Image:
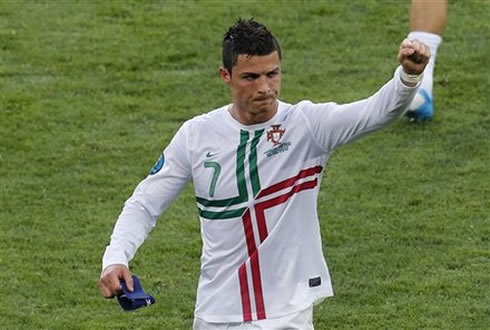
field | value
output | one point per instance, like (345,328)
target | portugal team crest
(275,134)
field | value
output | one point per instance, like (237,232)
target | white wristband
(411,78)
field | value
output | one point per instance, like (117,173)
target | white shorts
(302,320)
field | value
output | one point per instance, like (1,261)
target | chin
(263,109)
(268,105)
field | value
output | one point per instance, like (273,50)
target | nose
(263,85)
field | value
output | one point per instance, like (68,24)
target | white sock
(433,41)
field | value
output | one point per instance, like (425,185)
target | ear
(225,75)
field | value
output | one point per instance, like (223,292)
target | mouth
(262,99)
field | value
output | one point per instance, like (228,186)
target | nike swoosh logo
(209,154)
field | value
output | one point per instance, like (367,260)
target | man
(427,23)
(256,165)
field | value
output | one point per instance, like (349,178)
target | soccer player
(427,22)
(256,165)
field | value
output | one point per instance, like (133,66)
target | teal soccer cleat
(422,107)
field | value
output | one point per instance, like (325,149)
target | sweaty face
(255,82)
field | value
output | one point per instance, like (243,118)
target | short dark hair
(247,37)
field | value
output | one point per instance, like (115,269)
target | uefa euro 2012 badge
(158,165)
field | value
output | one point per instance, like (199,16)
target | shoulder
(306,107)
(205,120)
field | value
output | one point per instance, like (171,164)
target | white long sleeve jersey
(256,190)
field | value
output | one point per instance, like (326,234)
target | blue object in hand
(131,300)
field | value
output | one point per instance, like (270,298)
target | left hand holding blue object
(131,300)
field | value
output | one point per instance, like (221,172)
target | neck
(245,117)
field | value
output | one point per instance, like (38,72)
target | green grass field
(92,91)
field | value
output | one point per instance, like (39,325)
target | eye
(272,74)
(250,77)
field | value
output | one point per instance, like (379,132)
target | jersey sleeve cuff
(399,84)
(112,257)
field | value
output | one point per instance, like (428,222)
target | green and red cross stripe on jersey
(240,180)
(259,207)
